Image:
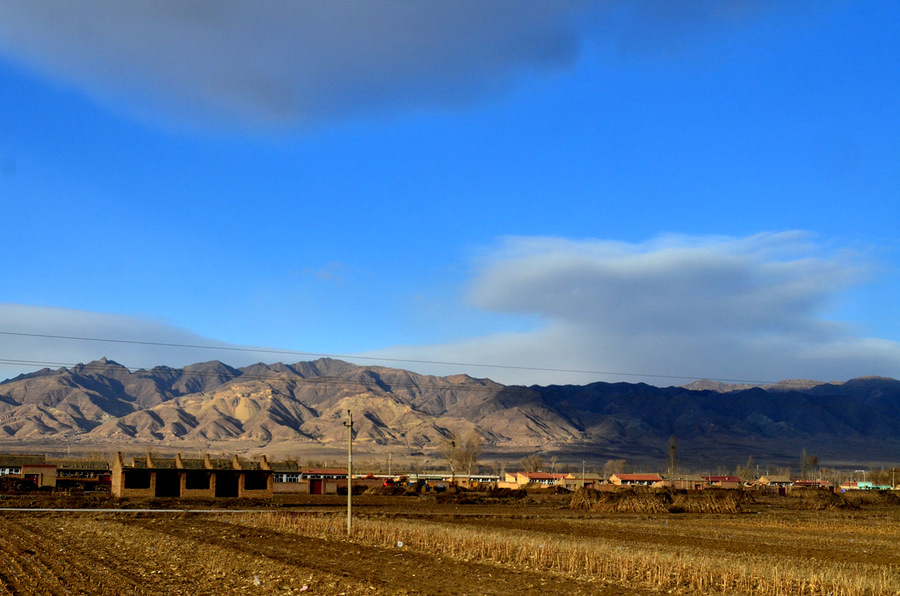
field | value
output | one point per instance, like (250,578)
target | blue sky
(635,190)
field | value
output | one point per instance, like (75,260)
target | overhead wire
(367,358)
(379,382)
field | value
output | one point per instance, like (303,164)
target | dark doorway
(197,480)
(316,487)
(168,483)
(256,480)
(227,484)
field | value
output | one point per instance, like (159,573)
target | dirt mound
(507,493)
(389,491)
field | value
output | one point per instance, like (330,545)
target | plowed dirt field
(193,553)
(261,552)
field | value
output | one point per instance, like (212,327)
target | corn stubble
(742,568)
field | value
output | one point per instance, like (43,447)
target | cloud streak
(753,308)
(36,336)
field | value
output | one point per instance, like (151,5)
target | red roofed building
(723,481)
(812,484)
(635,479)
(520,479)
(542,478)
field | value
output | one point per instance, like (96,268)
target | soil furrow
(421,573)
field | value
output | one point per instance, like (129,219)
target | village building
(290,477)
(635,479)
(192,478)
(824,484)
(523,479)
(475,481)
(87,475)
(682,482)
(573,482)
(861,485)
(30,468)
(775,481)
(723,481)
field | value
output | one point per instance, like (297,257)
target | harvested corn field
(412,545)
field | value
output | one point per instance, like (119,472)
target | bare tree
(613,466)
(747,471)
(450,453)
(469,452)
(672,455)
(808,464)
(532,463)
(813,462)
(461,454)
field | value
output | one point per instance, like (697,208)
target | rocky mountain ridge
(104,401)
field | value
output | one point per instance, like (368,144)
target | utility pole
(389,464)
(349,425)
(582,473)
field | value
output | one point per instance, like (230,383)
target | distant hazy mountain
(105,402)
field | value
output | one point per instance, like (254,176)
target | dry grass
(812,499)
(875,498)
(652,563)
(652,501)
(819,500)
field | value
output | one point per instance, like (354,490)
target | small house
(635,479)
(31,468)
(723,481)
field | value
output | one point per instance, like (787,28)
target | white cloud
(664,311)
(750,308)
(267,63)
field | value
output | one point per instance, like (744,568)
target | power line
(473,385)
(376,384)
(376,358)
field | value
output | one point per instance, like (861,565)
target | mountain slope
(307,402)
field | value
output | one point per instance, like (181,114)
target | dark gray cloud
(231,63)
(267,63)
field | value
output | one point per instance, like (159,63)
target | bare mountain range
(104,402)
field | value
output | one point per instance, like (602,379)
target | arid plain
(460,544)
